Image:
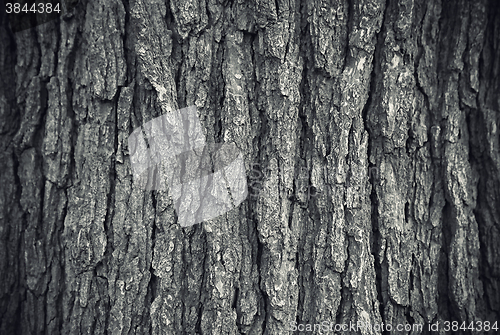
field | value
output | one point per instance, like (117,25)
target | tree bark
(370,133)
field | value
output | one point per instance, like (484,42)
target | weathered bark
(374,126)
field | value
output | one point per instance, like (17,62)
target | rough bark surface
(375,126)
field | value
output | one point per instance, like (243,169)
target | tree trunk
(370,135)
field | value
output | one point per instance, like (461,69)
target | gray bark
(374,126)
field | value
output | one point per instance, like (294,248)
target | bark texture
(375,126)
